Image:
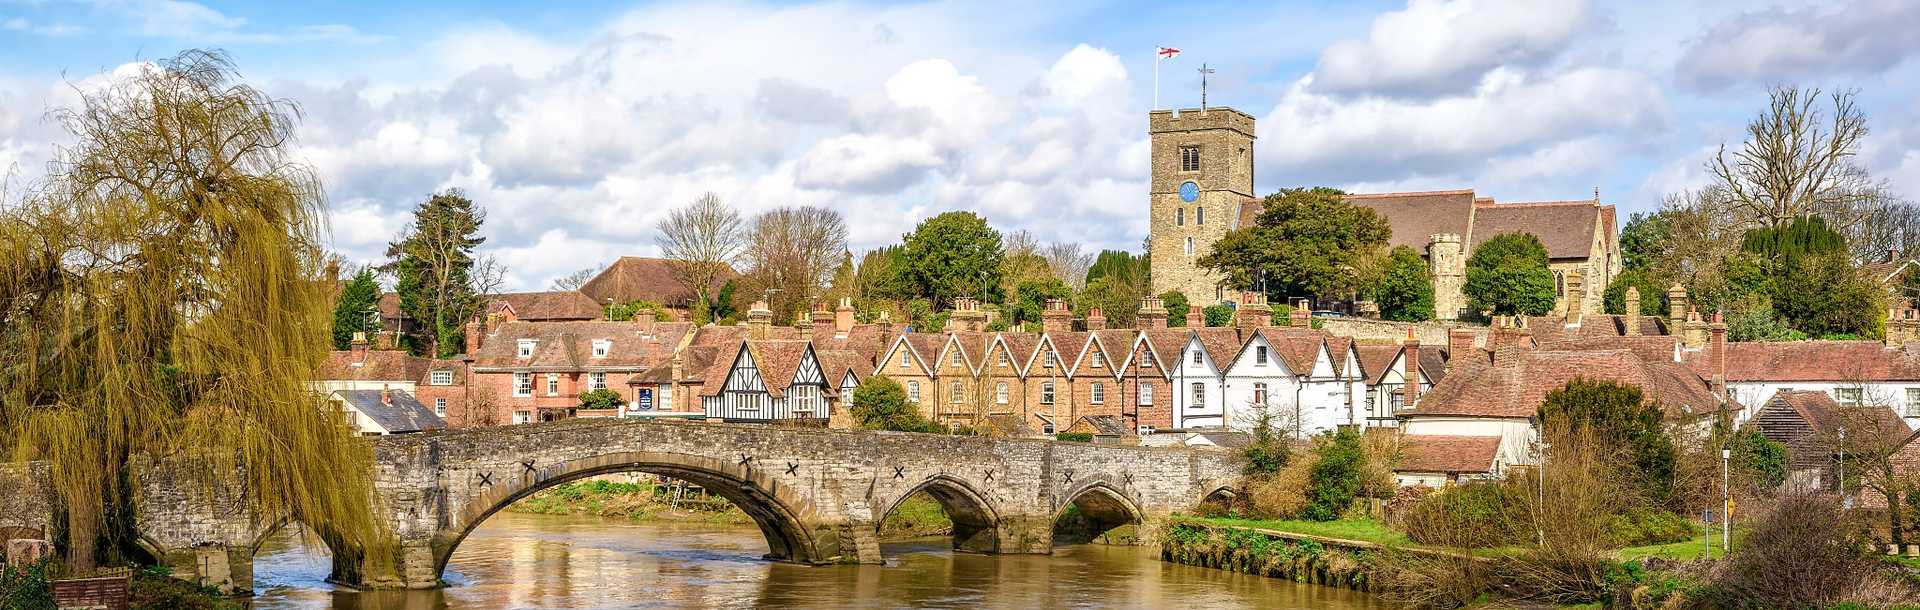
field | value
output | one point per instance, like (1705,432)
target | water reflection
(535,561)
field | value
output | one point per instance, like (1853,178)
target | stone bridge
(818,495)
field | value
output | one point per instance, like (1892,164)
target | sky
(579,125)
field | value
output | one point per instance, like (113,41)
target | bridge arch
(781,513)
(975,522)
(1098,506)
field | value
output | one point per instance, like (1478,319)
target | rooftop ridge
(1536,204)
(1407,194)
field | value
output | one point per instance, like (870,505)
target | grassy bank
(915,517)
(28,588)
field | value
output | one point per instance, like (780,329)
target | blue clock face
(1189,191)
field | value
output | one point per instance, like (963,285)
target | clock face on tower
(1189,191)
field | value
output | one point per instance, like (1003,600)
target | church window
(1189,158)
(1199,216)
(1189,246)
(1179,217)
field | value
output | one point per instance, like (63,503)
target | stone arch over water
(1100,506)
(975,522)
(779,511)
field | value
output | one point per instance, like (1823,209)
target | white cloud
(1445,46)
(1773,45)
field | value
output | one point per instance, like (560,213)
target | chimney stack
(966,316)
(805,326)
(1412,386)
(1056,319)
(359,346)
(1302,314)
(823,321)
(475,334)
(1903,324)
(1576,297)
(1718,355)
(843,318)
(1253,312)
(1676,309)
(1153,315)
(1459,345)
(759,320)
(386,394)
(1633,312)
(1694,331)
(1096,320)
(885,324)
(1195,318)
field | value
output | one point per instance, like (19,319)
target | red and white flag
(1168,52)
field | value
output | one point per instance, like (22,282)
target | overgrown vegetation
(879,403)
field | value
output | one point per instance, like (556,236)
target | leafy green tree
(1759,459)
(357,308)
(1306,242)
(1627,424)
(1337,476)
(622,312)
(879,403)
(601,399)
(1030,298)
(1825,296)
(1645,241)
(1508,275)
(1405,292)
(883,275)
(1117,298)
(1653,296)
(433,264)
(1122,266)
(1268,453)
(1218,315)
(1751,318)
(953,255)
(1177,308)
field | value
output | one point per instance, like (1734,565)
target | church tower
(1202,176)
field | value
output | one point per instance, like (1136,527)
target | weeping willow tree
(164,295)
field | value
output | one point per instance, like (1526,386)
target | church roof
(1566,228)
(1415,216)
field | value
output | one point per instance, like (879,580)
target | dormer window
(526,347)
(441,378)
(1099,362)
(600,347)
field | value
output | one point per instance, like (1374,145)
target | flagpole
(1156,79)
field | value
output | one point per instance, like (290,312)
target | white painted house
(1199,401)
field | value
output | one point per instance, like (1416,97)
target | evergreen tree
(1405,292)
(433,264)
(1645,241)
(1508,275)
(1177,308)
(954,255)
(1653,296)
(357,309)
(1030,299)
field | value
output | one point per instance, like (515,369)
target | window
(956,358)
(1196,357)
(440,407)
(904,361)
(913,391)
(1179,217)
(1146,363)
(1559,284)
(523,384)
(521,417)
(1046,392)
(956,392)
(596,381)
(1047,429)
(1259,393)
(666,398)
(600,347)
(441,378)
(1189,158)
(1099,394)
(553,384)
(1000,393)
(1200,215)
(1260,355)
(1004,360)
(1395,397)
(1048,361)
(1847,396)
(1146,395)
(526,348)
(1189,246)
(1199,394)
(1913,402)
(1098,361)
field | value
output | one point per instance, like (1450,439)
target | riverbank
(917,516)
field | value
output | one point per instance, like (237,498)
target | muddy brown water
(519,560)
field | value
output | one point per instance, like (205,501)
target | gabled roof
(865,339)
(1808,423)
(569,345)
(1566,228)
(389,305)
(1049,342)
(1070,345)
(399,414)
(1101,425)
(548,306)
(370,365)
(776,359)
(1447,454)
(1376,359)
(838,365)
(971,345)
(1554,329)
(635,278)
(1415,216)
(1020,348)
(1517,380)
(1167,345)
(1802,361)
(922,347)
(1117,346)
(1220,344)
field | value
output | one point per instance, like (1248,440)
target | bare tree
(703,240)
(1069,263)
(573,281)
(795,250)
(1019,243)
(1798,161)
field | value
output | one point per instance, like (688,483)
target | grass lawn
(1363,530)
(1689,550)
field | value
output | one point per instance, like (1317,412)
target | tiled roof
(1518,380)
(371,365)
(838,364)
(1167,344)
(1789,361)
(1566,228)
(1447,454)
(1070,346)
(1220,343)
(569,345)
(457,367)
(1021,347)
(1415,216)
(1554,329)
(1337,350)
(868,340)
(972,346)
(635,278)
(1116,344)
(925,348)
(1807,422)
(400,414)
(1376,359)
(547,306)
(778,360)
(1103,425)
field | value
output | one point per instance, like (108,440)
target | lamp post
(1726,503)
(1540,473)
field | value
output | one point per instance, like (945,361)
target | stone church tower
(1202,176)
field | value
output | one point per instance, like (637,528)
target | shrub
(1337,476)
(879,403)
(25,587)
(1478,514)
(1640,527)
(1075,437)
(1218,315)
(601,399)
(1799,555)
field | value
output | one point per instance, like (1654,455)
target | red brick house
(535,371)
(553,306)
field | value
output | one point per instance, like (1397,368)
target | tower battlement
(1202,174)
(1190,119)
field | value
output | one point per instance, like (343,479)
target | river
(539,561)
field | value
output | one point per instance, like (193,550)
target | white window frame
(906,361)
(1260,355)
(1099,361)
(1000,393)
(1259,393)
(596,380)
(1198,359)
(522,417)
(1046,392)
(441,377)
(1048,360)
(526,347)
(1848,397)
(523,384)
(1097,394)
(956,392)
(1004,360)
(1198,394)
(1146,395)
(601,347)
(955,360)
(440,407)
(913,391)
(553,384)
(1913,402)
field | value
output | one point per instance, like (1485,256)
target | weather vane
(1204,71)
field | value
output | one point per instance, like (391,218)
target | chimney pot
(1412,385)
(1096,320)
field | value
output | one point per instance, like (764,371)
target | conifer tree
(434,262)
(355,311)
